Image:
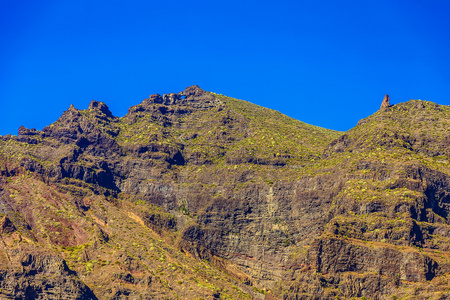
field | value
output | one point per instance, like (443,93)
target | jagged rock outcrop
(42,277)
(385,104)
(29,136)
(334,256)
(185,179)
(101,107)
(6,226)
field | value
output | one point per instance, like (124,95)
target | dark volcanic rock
(30,136)
(74,128)
(6,226)
(337,256)
(42,277)
(171,99)
(279,205)
(102,107)
(194,95)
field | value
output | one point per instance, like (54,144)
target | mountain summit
(198,195)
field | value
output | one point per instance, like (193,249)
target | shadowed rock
(6,226)
(171,98)
(101,106)
(337,217)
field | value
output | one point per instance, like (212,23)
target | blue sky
(327,63)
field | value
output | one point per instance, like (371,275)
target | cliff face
(196,194)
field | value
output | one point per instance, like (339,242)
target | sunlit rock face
(198,195)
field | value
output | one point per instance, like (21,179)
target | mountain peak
(195,93)
(193,90)
(101,106)
(193,181)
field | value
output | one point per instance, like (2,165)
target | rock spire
(385,103)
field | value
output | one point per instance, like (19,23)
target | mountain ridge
(257,204)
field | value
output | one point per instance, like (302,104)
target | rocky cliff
(198,195)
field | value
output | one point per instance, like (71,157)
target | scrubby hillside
(198,195)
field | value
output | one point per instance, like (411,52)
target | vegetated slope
(197,195)
(117,199)
(388,227)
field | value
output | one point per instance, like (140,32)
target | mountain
(195,195)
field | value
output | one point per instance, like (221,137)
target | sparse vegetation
(217,197)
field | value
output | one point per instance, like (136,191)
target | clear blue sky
(327,63)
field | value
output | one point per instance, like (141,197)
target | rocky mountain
(195,195)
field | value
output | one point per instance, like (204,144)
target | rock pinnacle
(385,103)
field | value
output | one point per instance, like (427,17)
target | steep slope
(388,227)
(57,236)
(197,195)
(184,153)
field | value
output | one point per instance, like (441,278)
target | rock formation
(198,195)
(6,226)
(385,104)
(100,106)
